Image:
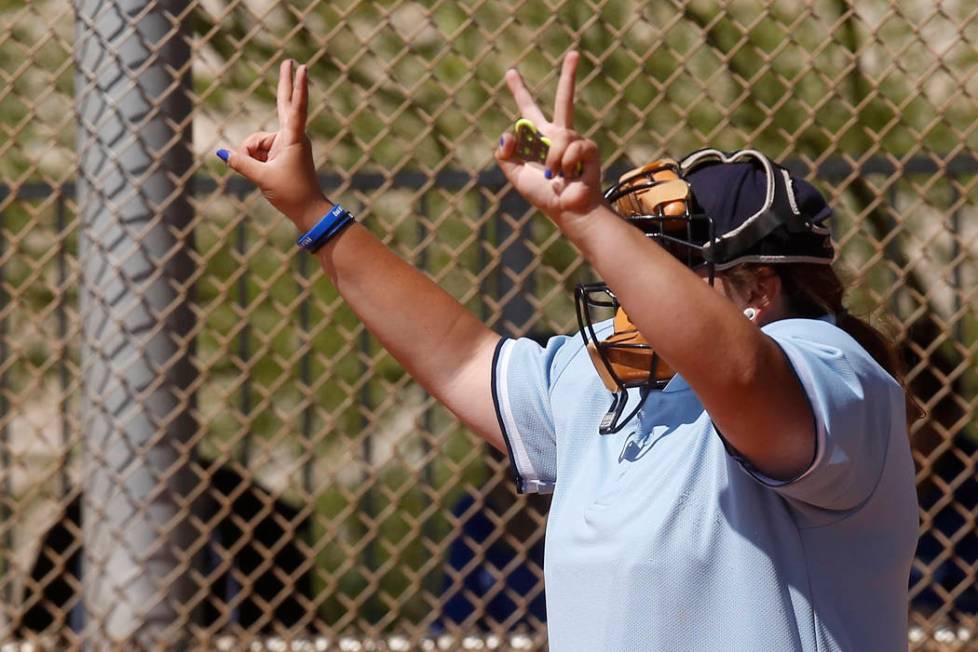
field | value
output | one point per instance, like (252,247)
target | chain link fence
(201,447)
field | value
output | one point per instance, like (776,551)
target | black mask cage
(623,359)
(656,199)
(659,199)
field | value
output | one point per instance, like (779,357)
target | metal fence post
(64,378)
(6,468)
(134,144)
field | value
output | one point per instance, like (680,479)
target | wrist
(577,225)
(310,214)
(332,224)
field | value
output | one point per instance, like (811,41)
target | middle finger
(283,98)
(299,104)
(564,101)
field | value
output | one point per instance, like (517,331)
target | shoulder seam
(555,376)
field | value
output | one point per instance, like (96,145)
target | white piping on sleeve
(531,480)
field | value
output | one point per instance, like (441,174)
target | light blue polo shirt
(659,539)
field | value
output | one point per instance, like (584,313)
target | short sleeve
(522,372)
(856,407)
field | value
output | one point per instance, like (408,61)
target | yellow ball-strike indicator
(531,146)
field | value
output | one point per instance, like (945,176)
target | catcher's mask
(711,210)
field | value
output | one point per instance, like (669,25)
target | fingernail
(501,141)
(560,173)
(548,174)
(223,154)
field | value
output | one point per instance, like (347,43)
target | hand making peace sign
(280,162)
(570,185)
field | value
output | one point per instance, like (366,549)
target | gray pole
(134,143)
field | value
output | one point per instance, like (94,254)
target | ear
(765,292)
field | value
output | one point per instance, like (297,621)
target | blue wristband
(326,228)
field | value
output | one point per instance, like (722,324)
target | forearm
(440,343)
(739,374)
(437,340)
(680,315)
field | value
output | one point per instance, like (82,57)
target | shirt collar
(677,384)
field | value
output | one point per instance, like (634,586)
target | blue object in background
(497,578)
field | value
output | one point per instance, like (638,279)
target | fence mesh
(323,493)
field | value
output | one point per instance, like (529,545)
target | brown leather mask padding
(631,365)
(668,197)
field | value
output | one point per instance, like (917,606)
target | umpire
(728,455)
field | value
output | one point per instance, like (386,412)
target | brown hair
(813,291)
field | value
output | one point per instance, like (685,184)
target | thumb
(248,167)
(508,163)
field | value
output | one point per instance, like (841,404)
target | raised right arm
(440,343)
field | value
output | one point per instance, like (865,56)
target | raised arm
(740,375)
(440,343)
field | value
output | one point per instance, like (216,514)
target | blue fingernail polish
(500,141)
(223,154)
(548,174)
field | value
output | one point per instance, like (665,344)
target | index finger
(524,101)
(564,100)
(283,97)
